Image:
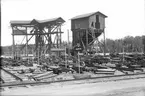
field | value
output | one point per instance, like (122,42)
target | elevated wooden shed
(87,27)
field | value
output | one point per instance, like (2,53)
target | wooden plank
(13,41)
(18,78)
(114,77)
(2,80)
(43,74)
(38,33)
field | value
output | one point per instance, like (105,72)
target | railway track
(7,76)
(78,81)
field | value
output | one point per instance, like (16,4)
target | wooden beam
(13,46)
(16,77)
(28,41)
(39,33)
(21,30)
(2,80)
(86,40)
(60,35)
(104,43)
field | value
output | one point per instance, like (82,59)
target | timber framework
(42,31)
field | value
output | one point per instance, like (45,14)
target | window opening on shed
(92,25)
(97,24)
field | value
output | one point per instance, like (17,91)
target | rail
(16,77)
(72,81)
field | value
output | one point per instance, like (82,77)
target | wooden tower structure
(87,28)
(42,31)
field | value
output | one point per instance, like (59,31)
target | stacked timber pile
(105,71)
(44,76)
(7,76)
(81,76)
(117,72)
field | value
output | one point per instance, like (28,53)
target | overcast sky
(125,17)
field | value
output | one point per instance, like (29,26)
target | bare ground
(134,87)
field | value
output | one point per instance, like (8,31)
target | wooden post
(65,58)
(86,40)
(104,43)
(79,62)
(57,38)
(49,41)
(13,46)
(68,43)
(123,53)
(60,35)
(26,43)
(38,56)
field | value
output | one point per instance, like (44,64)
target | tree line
(126,44)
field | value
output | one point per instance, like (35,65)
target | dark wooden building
(87,27)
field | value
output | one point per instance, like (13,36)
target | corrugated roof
(20,22)
(87,15)
(58,19)
(51,20)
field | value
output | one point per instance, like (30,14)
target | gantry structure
(42,31)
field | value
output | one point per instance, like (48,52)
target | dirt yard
(134,87)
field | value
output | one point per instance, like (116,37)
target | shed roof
(20,22)
(58,20)
(88,14)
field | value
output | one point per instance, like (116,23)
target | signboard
(78,48)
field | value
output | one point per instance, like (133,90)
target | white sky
(125,17)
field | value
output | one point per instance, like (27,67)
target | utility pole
(13,46)
(104,43)
(79,62)
(26,43)
(38,56)
(68,43)
(123,53)
(65,58)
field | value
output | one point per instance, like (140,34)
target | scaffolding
(42,31)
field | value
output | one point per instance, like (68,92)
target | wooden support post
(123,53)
(65,58)
(26,43)
(38,48)
(38,55)
(57,41)
(86,40)
(68,43)
(60,35)
(79,62)
(68,36)
(57,38)
(13,46)
(47,47)
(49,38)
(104,43)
